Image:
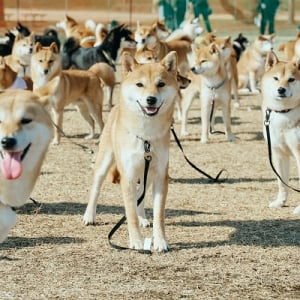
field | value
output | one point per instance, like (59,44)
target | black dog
(239,45)
(83,58)
(50,35)
(6,47)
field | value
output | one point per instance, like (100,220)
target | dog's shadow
(262,233)
(24,242)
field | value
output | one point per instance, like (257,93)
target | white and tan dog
(251,65)
(214,91)
(144,113)
(19,59)
(25,133)
(281,109)
(63,87)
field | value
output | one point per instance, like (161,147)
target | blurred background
(228,15)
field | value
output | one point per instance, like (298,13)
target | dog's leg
(103,163)
(129,192)
(206,108)
(140,209)
(282,166)
(296,153)
(58,121)
(84,111)
(252,82)
(160,190)
(7,221)
(178,107)
(227,120)
(187,100)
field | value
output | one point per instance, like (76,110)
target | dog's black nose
(151,100)
(8,142)
(46,71)
(143,41)
(281,90)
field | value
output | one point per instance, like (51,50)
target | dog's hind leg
(7,221)
(227,120)
(84,111)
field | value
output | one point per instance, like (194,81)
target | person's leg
(207,23)
(263,24)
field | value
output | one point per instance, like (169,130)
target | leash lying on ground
(148,158)
(267,126)
(213,179)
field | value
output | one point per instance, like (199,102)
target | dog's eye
(161,84)
(291,80)
(275,78)
(203,61)
(26,121)
(139,84)
(50,61)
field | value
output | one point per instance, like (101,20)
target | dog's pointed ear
(169,62)
(53,47)
(37,47)
(128,63)
(271,60)
(213,48)
(296,62)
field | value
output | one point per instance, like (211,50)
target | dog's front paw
(204,140)
(89,218)
(276,204)
(236,104)
(89,136)
(136,243)
(144,222)
(161,245)
(297,210)
(255,91)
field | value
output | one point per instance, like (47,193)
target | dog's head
(225,46)
(25,132)
(264,43)
(149,89)
(207,59)
(145,35)
(23,46)
(242,41)
(281,83)
(46,61)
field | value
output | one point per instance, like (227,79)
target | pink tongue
(11,166)
(151,110)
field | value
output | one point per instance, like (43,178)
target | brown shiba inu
(147,36)
(72,28)
(61,88)
(281,102)
(9,79)
(214,88)
(25,133)
(143,114)
(19,60)
(252,63)
(290,48)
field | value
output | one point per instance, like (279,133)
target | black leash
(210,120)
(147,158)
(85,148)
(213,179)
(267,126)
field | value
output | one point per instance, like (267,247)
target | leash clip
(147,154)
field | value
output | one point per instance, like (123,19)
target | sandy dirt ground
(225,241)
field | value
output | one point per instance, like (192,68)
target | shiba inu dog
(252,64)
(281,103)
(214,88)
(19,60)
(61,88)
(289,48)
(147,36)
(72,28)
(9,79)
(25,133)
(143,114)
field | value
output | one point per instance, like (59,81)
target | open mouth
(149,110)
(11,165)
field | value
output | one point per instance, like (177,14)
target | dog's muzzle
(151,109)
